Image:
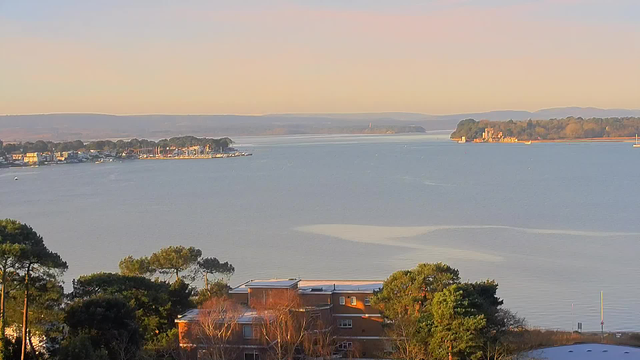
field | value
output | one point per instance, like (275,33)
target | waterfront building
(343,307)
(33,158)
(67,156)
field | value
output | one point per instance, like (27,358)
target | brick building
(343,305)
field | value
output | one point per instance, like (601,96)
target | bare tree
(319,342)
(217,325)
(283,325)
(504,341)
(122,346)
(404,343)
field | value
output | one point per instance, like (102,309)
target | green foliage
(410,292)
(25,253)
(176,260)
(180,294)
(13,351)
(554,129)
(216,289)
(150,299)
(165,346)
(457,326)
(109,322)
(118,146)
(80,348)
(156,305)
(430,313)
(213,266)
(46,299)
(133,266)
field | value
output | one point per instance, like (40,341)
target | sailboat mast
(602,313)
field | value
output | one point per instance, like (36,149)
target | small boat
(15,178)
(527,142)
(636,145)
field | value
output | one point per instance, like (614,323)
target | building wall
(240,298)
(193,343)
(366,334)
(347,308)
(258,296)
(311,299)
(363,324)
(33,158)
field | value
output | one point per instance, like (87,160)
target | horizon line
(319,113)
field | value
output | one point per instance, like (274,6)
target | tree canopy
(132,266)
(26,260)
(109,323)
(220,144)
(553,129)
(431,313)
(175,260)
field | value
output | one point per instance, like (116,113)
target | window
(346,345)
(345,323)
(342,300)
(354,301)
(251,356)
(367,301)
(247,331)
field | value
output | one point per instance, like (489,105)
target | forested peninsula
(116,146)
(570,128)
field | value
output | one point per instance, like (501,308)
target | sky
(317,56)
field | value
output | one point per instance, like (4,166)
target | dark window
(251,356)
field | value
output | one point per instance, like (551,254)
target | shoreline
(588,140)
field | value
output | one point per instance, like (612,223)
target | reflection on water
(554,224)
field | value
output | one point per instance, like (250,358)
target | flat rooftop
(274,283)
(249,316)
(313,286)
(340,285)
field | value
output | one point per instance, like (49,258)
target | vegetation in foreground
(554,129)
(127,315)
(429,313)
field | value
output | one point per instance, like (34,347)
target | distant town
(74,152)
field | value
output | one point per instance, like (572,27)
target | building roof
(313,286)
(586,352)
(273,283)
(331,286)
(250,316)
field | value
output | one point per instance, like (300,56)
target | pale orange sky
(211,57)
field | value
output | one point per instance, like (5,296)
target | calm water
(553,223)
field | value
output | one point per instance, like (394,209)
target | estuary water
(553,224)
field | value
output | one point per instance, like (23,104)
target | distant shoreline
(587,140)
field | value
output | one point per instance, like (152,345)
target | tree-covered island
(570,128)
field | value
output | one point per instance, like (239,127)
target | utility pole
(602,314)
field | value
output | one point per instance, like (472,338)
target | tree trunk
(2,314)
(206,282)
(33,348)
(25,315)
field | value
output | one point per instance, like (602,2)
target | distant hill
(101,126)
